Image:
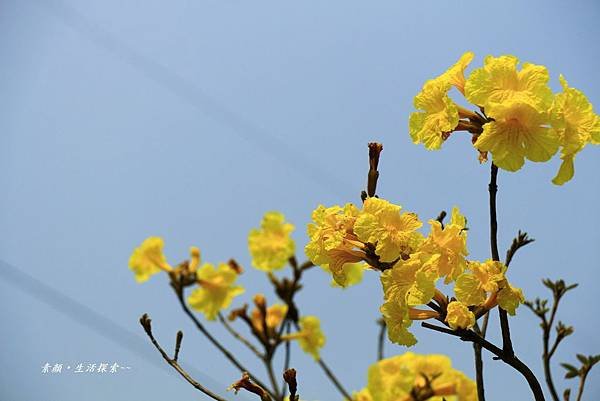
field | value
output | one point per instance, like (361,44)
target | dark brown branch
(510,359)
(146,323)
(493,189)
(381,338)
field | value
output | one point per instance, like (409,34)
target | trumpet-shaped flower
(271,246)
(499,82)
(310,337)
(349,275)
(576,124)
(519,131)
(436,117)
(333,244)
(397,322)
(393,233)
(400,377)
(459,316)
(148,259)
(409,283)
(450,243)
(509,298)
(487,281)
(455,75)
(216,289)
(472,288)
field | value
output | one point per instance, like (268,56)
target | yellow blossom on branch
(148,259)
(482,279)
(450,243)
(509,298)
(333,245)
(275,315)
(409,283)
(459,316)
(400,377)
(519,131)
(499,82)
(455,75)
(437,114)
(310,337)
(216,289)
(576,124)
(393,233)
(271,246)
(486,284)
(436,117)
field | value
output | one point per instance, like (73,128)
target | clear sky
(190,119)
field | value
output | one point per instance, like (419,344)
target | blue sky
(190,119)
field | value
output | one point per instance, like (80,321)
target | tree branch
(146,323)
(510,359)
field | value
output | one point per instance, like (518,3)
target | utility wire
(195,96)
(95,321)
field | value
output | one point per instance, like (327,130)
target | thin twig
(239,337)
(287,358)
(145,321)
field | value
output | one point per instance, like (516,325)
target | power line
(95,321)
(195,96)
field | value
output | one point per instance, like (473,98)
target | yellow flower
(397,322)
(455,75)
(271,246)
(399,377)
(459,316)
(499,82)
(409,283)
(216,289)
(486,281)
(519,131)
(275,315)
(509,298)
(310,337)
(350,274)
(576,124)
(333,244)
(148,259)
(450,243)
(485,278)
(393,233)
(437,115)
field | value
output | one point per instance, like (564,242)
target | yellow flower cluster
(216,287)
(341,237)
(271,246)
(430,377)
(383,237)
(523,119)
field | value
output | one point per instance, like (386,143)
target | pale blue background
(189,119)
